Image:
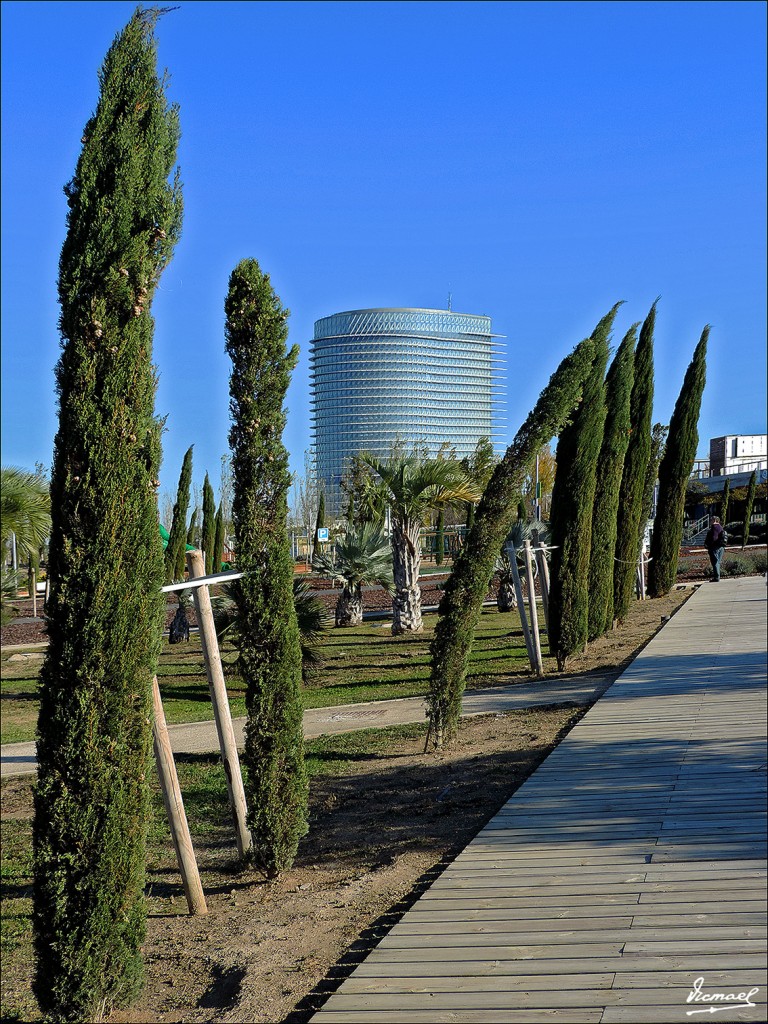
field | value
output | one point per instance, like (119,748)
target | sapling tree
(175,551)
(270,647)
(105,611)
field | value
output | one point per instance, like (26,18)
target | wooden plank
(476,936)
(568,1015)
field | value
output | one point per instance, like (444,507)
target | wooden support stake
(221,710)
(536,645)
(174,809)
(541,561)
(521,604)
(33,595)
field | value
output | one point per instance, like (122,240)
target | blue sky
(540,161)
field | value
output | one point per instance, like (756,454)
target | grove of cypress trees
(750,504)
(209,524)
(618,388)
(473,567)
(725,501)
(175,551)
(628,526)
(674,473)
(105,612)
(573,495)
(270,649)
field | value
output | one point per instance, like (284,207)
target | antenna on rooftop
(449,301)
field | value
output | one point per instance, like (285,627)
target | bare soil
(269,952)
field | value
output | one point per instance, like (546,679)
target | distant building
(738,453)
(382,376)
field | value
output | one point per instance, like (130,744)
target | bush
(737,566)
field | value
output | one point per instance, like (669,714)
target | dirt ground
(269,952)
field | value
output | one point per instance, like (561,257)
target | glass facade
(379,376)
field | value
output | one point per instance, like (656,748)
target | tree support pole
(521,605)
(536,642)
(541,562)
(221,710)
(174,808)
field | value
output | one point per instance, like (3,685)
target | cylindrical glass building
(382,376)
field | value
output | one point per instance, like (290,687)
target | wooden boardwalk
(630,864)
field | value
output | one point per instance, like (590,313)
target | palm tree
(25,509)
(414,487)
(361,556)
(310,615)
(25,514)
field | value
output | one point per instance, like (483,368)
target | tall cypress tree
(726,501)
(628,526)
(473,568)
(218,542)
(270,649)
(674,473)
(209,523)
(192,531)
(105,611)
(618,388)
(750,504)
(174,552)
(578,449)
(319,523)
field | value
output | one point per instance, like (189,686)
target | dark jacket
(715,537)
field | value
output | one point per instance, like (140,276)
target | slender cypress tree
(270,649)
(726,501)
(750,503)
(658,443)
(440,538)
(628,526)
(209,523)
(319,523)
(105,610)
(674,473)
(473,568)
(174,552)
(218,541)
(578,449)
(618,388)
(192,531)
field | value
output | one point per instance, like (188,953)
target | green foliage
(105,611)
(473,568)
(270,649)
(192,532)
(218,538)
(209,526)
(618,388)
(629,526)
(750,504)
(175,550)
(674,471)
(726,501)
(578,450)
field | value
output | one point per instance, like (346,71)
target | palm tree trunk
(406,562)
(506,598)
(349,607)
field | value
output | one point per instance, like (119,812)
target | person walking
(715,542)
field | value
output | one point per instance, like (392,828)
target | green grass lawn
(365,663)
